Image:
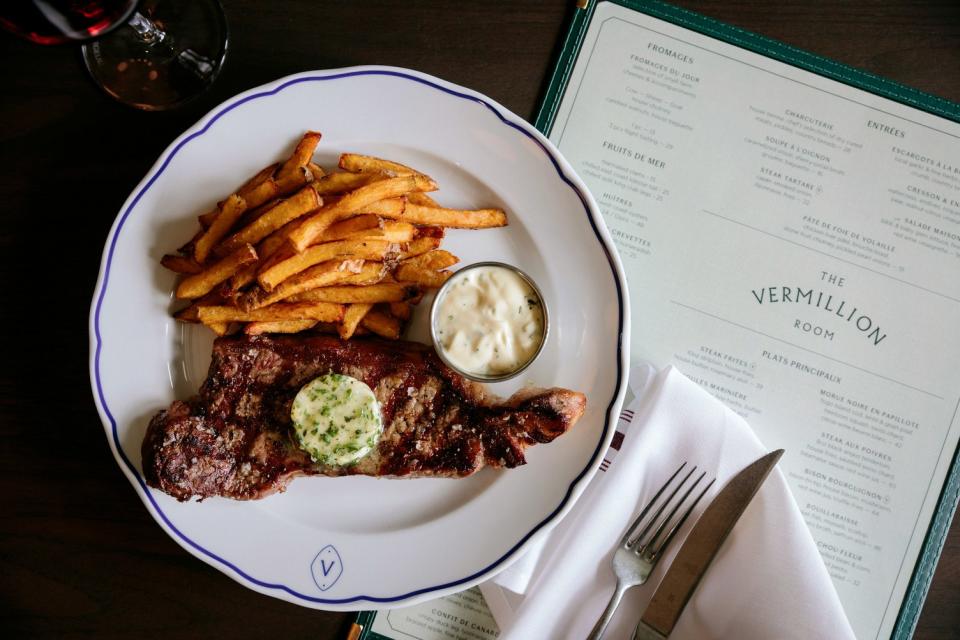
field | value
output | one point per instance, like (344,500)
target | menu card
(459,616)
(792,243)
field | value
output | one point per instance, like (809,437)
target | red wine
(59,21)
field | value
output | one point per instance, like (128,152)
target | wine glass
(149,54)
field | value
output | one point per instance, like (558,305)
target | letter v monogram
(326,569)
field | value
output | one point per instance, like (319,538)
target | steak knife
(699,549)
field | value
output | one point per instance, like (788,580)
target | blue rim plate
(360,543)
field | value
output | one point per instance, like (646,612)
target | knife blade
(700,547)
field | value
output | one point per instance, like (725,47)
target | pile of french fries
(297,249)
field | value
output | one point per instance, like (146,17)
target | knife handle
(644,632)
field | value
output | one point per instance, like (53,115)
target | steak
(236,438)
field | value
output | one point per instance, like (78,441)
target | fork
(638,554)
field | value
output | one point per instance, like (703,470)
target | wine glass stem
(149,32)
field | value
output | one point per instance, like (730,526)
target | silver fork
(638,554)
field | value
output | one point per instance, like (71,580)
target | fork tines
(653,545)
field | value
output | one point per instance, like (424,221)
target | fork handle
(604,620)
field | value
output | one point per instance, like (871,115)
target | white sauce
(489,321)
(337,419)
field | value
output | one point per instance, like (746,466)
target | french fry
(431,261)
(230,211)
(351,318)
(300,158)
(206,219)
(285,252)
(350,226)
(391,231)
(249,215)
(290,183)
(283,269)
(371,273)
(190,313)
(268,249)
(419,246)
(187,248)
(336,183)
(258,178)
(244,276)
(202,283)
(272,189)
(279,326)
(382,324)
(320,275)
(252,214)
(423,199)
(316,170)
(319,311)
(388,207)
(328,217)
(431,232)
(424,269)
(425,277)
(260,193)
(297,205)
(291,326)
(381,292)
(180,264)
(403,311)
(361,164)
(456,218)
(219,328)
(355,201)
(313,227)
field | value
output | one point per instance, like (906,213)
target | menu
(459,616)
(792,244)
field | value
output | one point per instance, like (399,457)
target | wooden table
(80,556)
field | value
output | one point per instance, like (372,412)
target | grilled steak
(236,438)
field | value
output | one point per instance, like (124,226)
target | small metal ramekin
(479,377)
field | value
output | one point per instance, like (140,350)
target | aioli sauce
(489,321)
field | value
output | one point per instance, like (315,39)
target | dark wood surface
(79,555)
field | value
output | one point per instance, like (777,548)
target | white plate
(359,543)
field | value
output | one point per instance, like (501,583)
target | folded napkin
(767,581)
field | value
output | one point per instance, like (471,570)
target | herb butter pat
(337,419)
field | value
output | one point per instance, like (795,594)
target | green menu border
(739,37)
(365,621)
(950,493)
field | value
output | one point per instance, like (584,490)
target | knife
(699,548)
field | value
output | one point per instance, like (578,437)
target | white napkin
(767,581)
